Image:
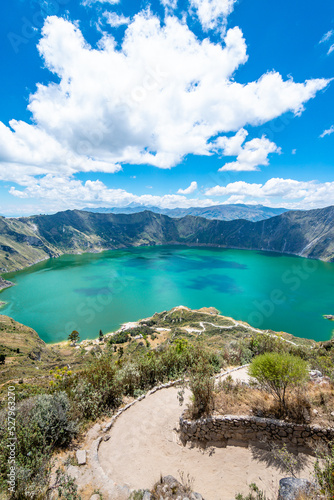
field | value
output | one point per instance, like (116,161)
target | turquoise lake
(100,291)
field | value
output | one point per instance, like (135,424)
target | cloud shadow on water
(93,291)
(221,284)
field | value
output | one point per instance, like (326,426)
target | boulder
(290,488)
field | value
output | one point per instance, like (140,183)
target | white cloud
(253,154)
(250,155)
(63,193)
(278,192)
(212,13)
(52,192)
(193,186)
(230,146)
(115,20)
(169,5)
(331,49)
(92,2)
(162,95)
(327,36)
(329,131)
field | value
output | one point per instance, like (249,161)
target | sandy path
(144,444)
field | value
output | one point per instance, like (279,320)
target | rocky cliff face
(28,240)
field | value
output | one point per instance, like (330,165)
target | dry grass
(312,404)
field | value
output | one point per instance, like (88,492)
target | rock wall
(246,430)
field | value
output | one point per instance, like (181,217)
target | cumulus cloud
(212,13)
(193,186)
(52,192)
(69,193)
(276,192)
(169,5)
(253,154)
(161,95)
(230,146)
(329,131)
(114,20)
(250,155)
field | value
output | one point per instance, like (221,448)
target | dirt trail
(144,443)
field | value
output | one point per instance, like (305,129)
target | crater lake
(90,292)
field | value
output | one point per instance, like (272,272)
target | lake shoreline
(172,244)
(105,290)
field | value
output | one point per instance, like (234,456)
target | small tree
(201,384)
(2,359)
(74,336)
(100,335)
(277,372)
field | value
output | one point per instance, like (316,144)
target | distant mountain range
(28,240)
(221,212)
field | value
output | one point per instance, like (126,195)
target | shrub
(42,423)
(202,385)
(324,472)
(119,338)
(66,486)
(95,389)
(254,494)
(129,378)
(277,372)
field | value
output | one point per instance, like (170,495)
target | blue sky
(169,103)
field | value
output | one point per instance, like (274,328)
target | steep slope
(221,212)
(28,240)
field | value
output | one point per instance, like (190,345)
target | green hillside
(28,240)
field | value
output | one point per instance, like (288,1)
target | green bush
(202,383)
(95,389)
(66,486)
(119,338)
(324,472)
(42,424)
(277,372)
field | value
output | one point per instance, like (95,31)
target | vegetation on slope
(164,347)
(29,240)
(27,356)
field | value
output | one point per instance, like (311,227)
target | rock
(147,495)
(315,412)
(81,457)
(315,374)
(196,496)
(95,497)
(290,488)
(93,433)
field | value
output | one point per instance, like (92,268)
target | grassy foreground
(60,390)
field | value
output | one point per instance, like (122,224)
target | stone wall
(243,431)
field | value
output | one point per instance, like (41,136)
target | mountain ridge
(221,212)
(28,240)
